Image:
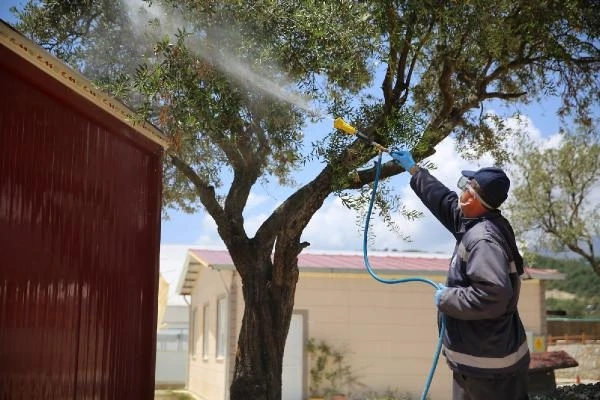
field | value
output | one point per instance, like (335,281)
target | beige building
(389,331)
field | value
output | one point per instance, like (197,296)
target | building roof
(384,263)
(61,72)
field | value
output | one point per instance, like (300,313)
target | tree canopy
(406,73)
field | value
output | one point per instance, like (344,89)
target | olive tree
(556,199)
(406,73)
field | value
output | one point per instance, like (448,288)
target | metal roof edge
(376,253)
(60,71)
(184,276)
(530,273)
(186,273)
(200,261)
(397,272)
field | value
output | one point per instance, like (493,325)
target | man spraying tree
(484,342)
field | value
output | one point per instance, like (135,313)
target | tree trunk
(268,309)
(269,287)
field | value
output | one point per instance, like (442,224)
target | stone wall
(588,357)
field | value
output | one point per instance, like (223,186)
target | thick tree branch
(237,196)
(308,197)
(230,149)
(388,79)
(499,95)
(401,77)
(575,248)
(295,212)
(205,191)
(503,69)
(244,177)
(413,63)
(444,83)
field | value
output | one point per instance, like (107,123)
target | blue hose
(442,326)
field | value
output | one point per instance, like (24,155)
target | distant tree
(556,198)
(439,62)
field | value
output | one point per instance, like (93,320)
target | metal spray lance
(345,127)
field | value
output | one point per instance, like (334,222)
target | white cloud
(551,142)
(255,200)
(208,232)
(333,227)
(524,124)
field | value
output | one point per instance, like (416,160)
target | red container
(80,191)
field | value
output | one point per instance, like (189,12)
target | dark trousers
(512,387)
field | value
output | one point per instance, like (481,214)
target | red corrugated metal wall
(79,242)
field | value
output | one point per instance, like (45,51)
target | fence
(568,330)
(566,339)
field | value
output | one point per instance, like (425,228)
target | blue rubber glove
(404,158)
(438,294)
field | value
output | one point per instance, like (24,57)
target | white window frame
(194,333)
(205,330)
(221,344)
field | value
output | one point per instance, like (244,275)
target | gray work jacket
(484,335)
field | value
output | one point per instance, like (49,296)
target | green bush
(329,372)
(576,308)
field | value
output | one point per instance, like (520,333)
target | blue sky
(4,7)
(334,227)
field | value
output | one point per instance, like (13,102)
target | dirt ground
(588,357)
(172,395)
(588,371)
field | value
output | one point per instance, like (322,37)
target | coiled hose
(442,322)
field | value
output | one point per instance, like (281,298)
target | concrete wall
(389,331)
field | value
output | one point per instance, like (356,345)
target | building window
(221,326)
(205,331)
(194,333)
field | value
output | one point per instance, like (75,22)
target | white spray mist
(140,14)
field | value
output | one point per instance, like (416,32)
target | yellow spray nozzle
(342,125)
